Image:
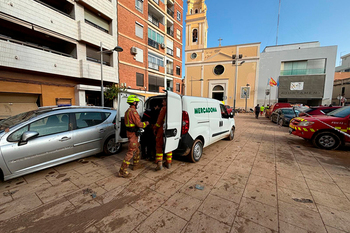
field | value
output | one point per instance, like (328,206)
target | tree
(113,90)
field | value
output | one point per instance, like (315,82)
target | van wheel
(232,134)
(196,152)
(326,140)
(110,147)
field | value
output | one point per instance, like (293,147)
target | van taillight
(185,123)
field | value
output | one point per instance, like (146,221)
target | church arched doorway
(218,93)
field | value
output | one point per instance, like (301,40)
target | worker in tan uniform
(158,130)
(132,123)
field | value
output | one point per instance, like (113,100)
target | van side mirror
(26,136)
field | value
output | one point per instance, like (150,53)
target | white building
(345,64)
(50,52)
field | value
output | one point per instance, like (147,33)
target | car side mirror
(26,136)
(231,115)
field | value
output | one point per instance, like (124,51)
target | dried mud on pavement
(265,180)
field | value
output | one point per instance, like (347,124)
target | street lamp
(246,95)
(194,81)
(235,62)
(118,49)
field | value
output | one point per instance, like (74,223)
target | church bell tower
(196,25)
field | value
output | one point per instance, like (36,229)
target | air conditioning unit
(162,46)
(133,50)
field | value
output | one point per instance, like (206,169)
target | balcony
(96,26)
(170,52)
(170,71)
(170,32)
(92,35)
(170,12)
(153,20)
(92,70)
(64,7)
(153,66)
(153,43)
(303,71)
(156,1)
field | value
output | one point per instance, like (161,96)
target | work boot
(159,166)
(137,166)
(167,165)
(124,174)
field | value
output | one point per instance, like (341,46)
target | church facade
(210,72)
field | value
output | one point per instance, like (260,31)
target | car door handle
(221,123)
(65,139)
(102,130)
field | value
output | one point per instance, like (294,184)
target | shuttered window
(139,30)
(96,21)
(139,80)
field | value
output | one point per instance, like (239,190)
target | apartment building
(50,52)
(150,32)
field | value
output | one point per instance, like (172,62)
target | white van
(192,123)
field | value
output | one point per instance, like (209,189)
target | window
(88,119)
(194,35)
(178,70)
(139,80)
(154,83)
(96,21)
(224,113)
(178,52)
(139,30)
(92,54)
(178,87)
(139,5)
(154,38)
(169,67)
(155,61)
(196,11)
(46,126)
(179,16)
(219,69)
(178,34)
(194,55)
(139,55)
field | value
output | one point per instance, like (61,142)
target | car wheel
(232,134)
(110,147)
(280,122)
(196,152)
(327,140)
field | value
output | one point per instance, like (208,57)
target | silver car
(43,138)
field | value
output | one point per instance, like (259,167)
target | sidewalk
(264,181)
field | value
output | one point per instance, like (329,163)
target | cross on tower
(220,41)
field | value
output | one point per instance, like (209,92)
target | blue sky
(249,21)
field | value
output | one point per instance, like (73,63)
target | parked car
(282,116)
(228,109)
(321,110)
(47,137)
(274,107)
(325,131)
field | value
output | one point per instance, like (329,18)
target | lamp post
(246,96)
(235,62)
(118,49)
(194,81)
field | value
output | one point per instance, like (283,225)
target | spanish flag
(272,82)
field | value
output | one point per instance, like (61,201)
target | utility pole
(236,59)
(278,21)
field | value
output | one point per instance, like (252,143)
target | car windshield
(340,112)
(289,111)
(14,120)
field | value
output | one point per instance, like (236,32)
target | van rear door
(173,121)
(121,109)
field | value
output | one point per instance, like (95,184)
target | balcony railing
(170,32)
(303,71)
(153,66)
(170,12)
(153,20)
(54,8)
(156,1)
(170,71)
(170,52)
(153,43)
(43,48)
(98,61)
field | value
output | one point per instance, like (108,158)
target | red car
(321,110)
(325,131)
(228,109)
(274,107)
